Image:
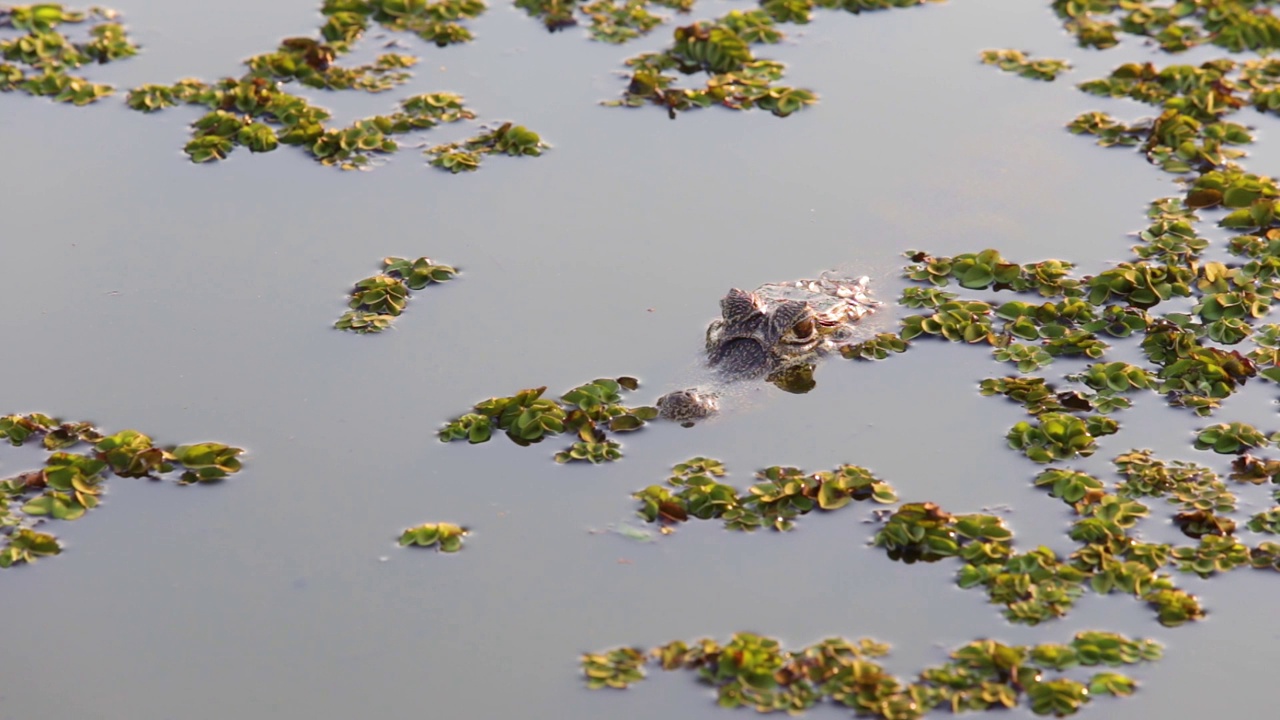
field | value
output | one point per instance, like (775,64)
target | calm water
(195,303)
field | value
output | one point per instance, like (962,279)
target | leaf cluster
(41,60)
(591,410)
(378,300)
(756,671)
(71,483)
(780,496)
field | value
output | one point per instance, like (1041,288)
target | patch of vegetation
(756,672)
(465,155)
(42,60)
(255,110)
(781,495)
(445,537)
(610,21)
(72,483)
(591,411)
(378,300)
(1016,61)
(1232,24)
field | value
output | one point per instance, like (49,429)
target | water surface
(196,303)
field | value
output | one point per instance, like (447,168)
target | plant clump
(756,672)
(378,300)
(590,411)
(42,61)
(256,110)
(445,537)
(781,495)
(1016,61)
(71,483)
(465,155)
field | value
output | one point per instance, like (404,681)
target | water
(195,303)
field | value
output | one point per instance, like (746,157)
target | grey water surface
(196,303)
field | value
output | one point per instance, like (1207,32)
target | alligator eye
(803,329)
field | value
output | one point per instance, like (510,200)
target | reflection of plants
(755,671)
(71,484)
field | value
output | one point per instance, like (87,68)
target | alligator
(777,331)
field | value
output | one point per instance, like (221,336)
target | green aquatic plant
(616,668)
(1027,358)
(957,321)
(720,48)
(465,155)
(1055,436)
(1032,393)
(781,495)
(1016,61)
(1191,374)
(71,483)
(593,452)
(877,348)
(1214,554)
(1236,26)
(589,410)
(378,300)
(41,60)
(257,110)
(736,78)
(756,671)
(445,537)
(1230,438)
(610,21)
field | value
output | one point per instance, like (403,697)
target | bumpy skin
(771,331)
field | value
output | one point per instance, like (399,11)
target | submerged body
(776,331)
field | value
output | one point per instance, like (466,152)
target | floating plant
(255,110)
(378,300)
(781,495)
(755,671)
(465,155)
(445,537)
(588,410)
(41,60)
(1016,61)
(71,483)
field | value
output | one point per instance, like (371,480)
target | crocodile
(776,331)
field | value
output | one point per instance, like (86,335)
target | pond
(196,302)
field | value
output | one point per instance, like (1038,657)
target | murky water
(196,303)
